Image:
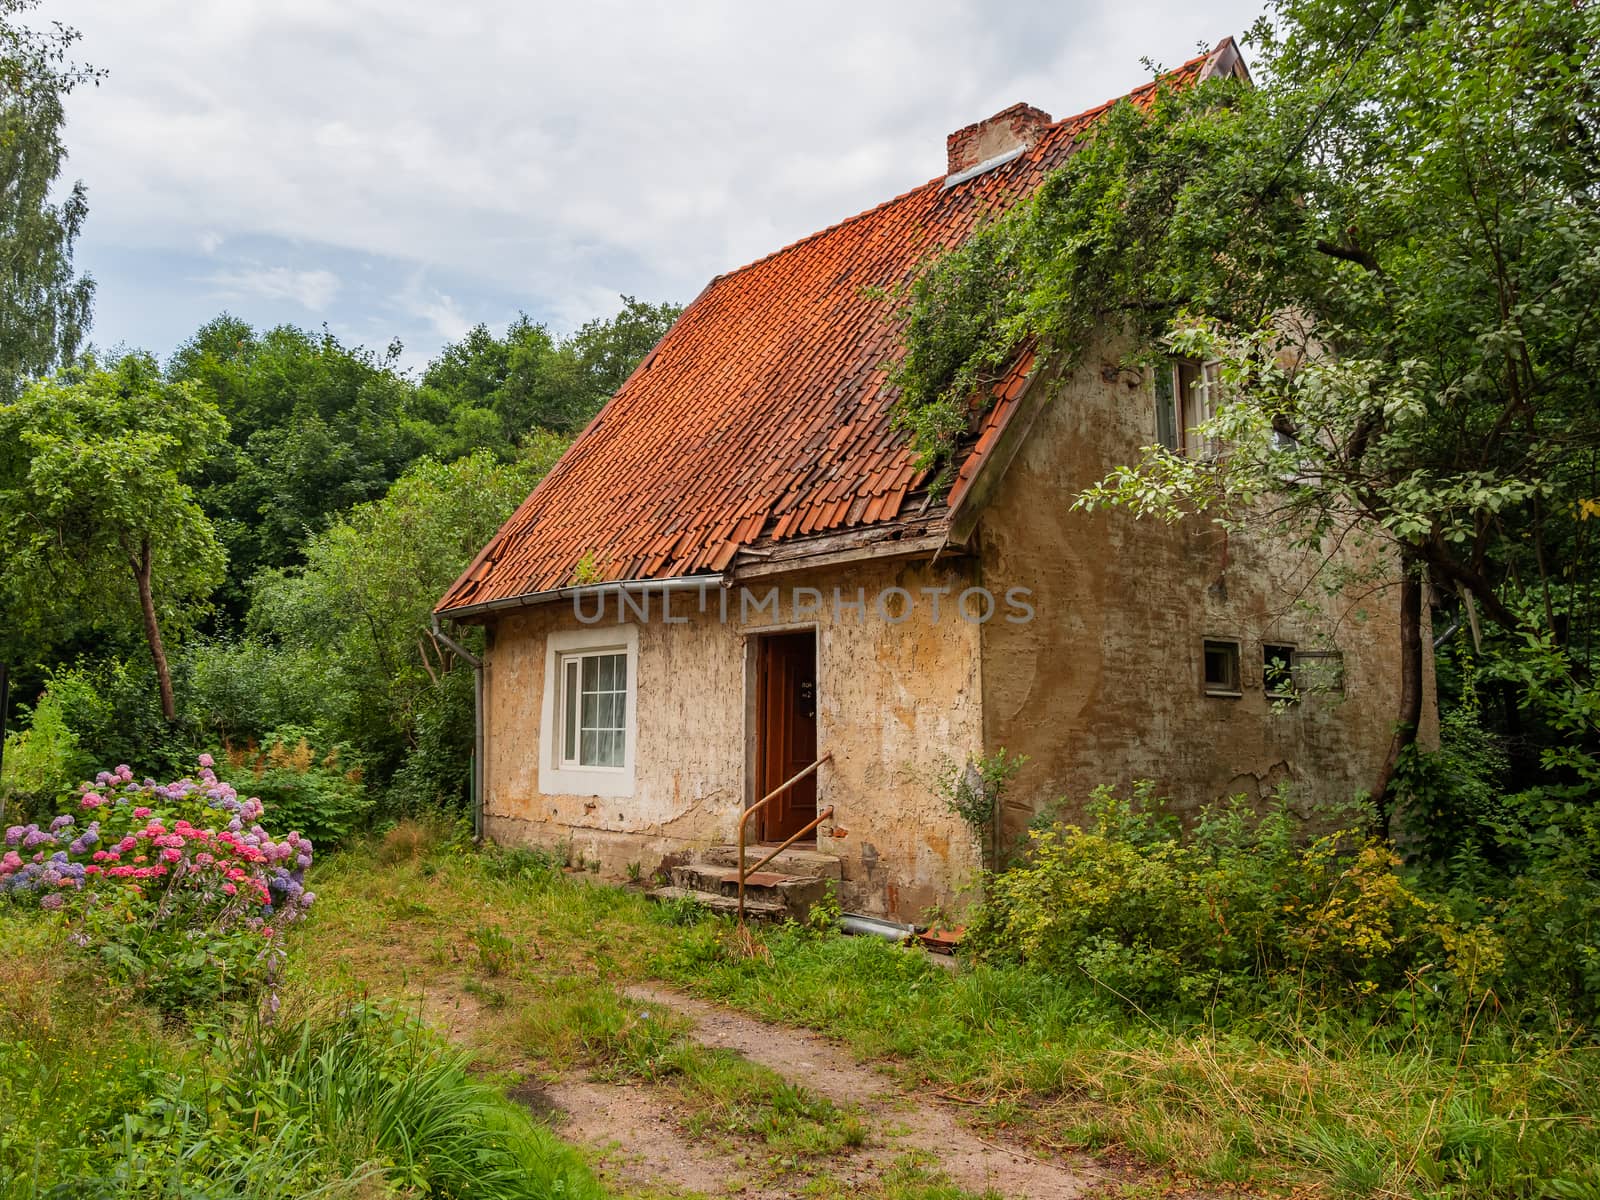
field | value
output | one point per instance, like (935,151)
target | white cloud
(441,313)
(557,153)
(313,290)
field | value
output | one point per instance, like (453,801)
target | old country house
(737,572)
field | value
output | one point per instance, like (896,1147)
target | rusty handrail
(762,803)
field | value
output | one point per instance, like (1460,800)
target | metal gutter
(677,583)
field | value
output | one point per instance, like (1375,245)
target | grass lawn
(525,965)
(534,975)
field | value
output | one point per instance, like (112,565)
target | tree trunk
(152,630)
(1410,715)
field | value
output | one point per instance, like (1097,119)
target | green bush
(41,763)
(1524,864)
(304,790)
(112,707)
(1238,907)
(243,689)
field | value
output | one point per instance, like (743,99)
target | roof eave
(489,608)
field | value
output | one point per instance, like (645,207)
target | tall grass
(1278,1099)
(362,1083)
(100,1099)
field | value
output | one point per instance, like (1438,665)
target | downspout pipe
(477,723)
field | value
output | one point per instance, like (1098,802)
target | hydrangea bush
(179,887)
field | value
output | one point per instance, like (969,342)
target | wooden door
(786,730)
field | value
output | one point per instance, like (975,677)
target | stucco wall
(891,702)
(1106,685)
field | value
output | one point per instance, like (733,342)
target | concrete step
(797,892)
(793,861)
(758,909)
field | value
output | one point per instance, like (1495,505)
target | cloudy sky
(401,168)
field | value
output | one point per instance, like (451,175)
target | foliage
(1526,865)
(111,712)
(361,605)
(973,791)
(1343,1098)
(527,380)
(40,762)
(184,911)
(242,689)
(44,307)
(1390,247)
(95,511)
(1231,913)
(343,1099)
(363,1085)
(304,790)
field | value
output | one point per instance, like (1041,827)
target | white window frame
(1194,405)
(562,778)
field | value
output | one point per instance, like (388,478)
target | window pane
(611,749)
(621,672)
(588,749)
(570,743)
(1166,409)
(590,711)
(591,670)
(603,717)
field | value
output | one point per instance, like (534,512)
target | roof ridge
(1094,111)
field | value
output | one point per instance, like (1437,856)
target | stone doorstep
(773,910)
(766,893)
(795,890)
(793,861)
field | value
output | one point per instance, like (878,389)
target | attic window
(1221,667)
(1186,398)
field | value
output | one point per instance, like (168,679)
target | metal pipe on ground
(876,927)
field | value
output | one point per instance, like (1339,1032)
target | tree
(361,603)
(315,428)
(96,516)
(529,380)
(44,306)
(1392,246)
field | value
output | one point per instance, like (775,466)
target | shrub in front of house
(177,887)
(1238,906)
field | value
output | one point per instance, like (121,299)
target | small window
(594,709)
(1221,667)
(1186,398)
(1277,672)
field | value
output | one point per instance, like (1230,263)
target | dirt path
(648,1149)
(639,1140)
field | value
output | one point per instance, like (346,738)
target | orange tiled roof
(763,414)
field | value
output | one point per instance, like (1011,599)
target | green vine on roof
(1094,247)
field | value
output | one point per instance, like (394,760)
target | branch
(1351,254)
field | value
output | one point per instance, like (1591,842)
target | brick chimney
(1009,129)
